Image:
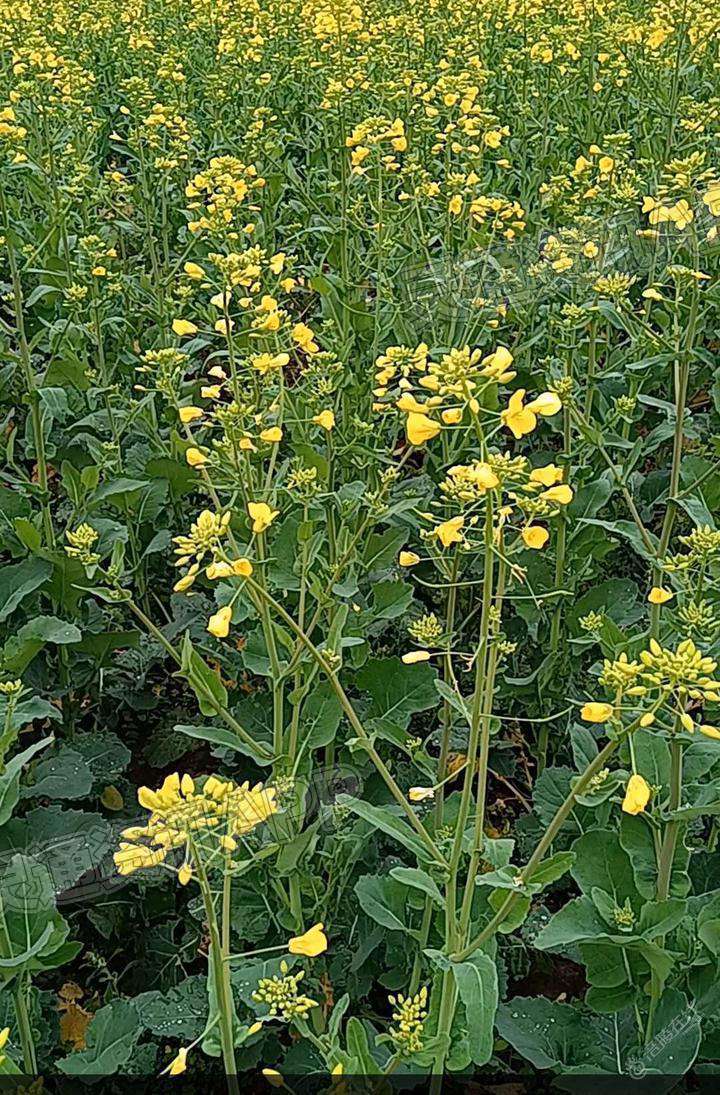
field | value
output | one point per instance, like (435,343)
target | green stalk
(681,380)
(29,377)
(489,695)
(221,969)
(23,1018)
(448,989)
(277,676)
(561,815)
(672,829)
(354,721)
(223,712)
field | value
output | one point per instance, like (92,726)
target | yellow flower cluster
(282,995)
(218,192)
(458,378)
(180,813)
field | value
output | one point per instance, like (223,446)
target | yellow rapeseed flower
(195,457)
(419,428)
(311,944)
(660,596)
(219,624)
(535,536)
(326,419)
(262,515)
(597,712)
(637,795)
(449,531)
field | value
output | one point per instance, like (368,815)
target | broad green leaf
(18,581)
(559,1036)
(320,717)
(205,683)
(65,775)
(576,921)
(69,843)
(382,899)
(30,927)
(601,861)
(111,1039)
(417,879)
(380,817)
(477,985)
(179,1013)
(10,778)
(397,691)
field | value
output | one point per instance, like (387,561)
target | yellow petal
(535,536)
(637,795)
(597,712)
(326,419)
(660,596)
(219,624)
(311,944)
(195,458)
(420,428)
(561,494)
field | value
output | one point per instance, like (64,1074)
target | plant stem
(23,1018)
(354,722)
(220,970)
(561,815)
(223,712)
(672,829)
(29,376)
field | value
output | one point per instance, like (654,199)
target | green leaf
(381,548)
(218,735)
(673,1051)
(179,1013)
(64,775)
(31,929)
(576,921)
(551,869)
(10,778)
(205,683)
(358,1047)
(600,861)
(590,499)
(477,985)
(626,530)
(390,600)
(419,880)
(69,843)
(550,791)
(397,691)
(383,900)
(320,717)
(111,1039)
(18,581)
(379,817)
(20,650)
(558,1036)
(652,755)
